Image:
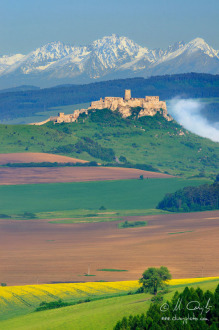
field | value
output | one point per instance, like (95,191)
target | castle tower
(127,94)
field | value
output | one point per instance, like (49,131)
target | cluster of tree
(201,198)
(49,164)
(88,145)
(158,122)
(190,144)
(51,305)
(191,309)
(144,167)
(27,102)
(131,224)
(106,117)
(4,216)
(71,148)
(154,279)
(28,215)
(58,304)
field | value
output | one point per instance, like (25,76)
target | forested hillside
(26,103)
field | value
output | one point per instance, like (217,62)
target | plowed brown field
(36,251)
(36,157)
(27,175)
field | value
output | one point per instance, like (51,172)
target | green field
(181,232)
(79,215)
(151,141)
(111,270)
(113,195)
(139,141)
(100,314)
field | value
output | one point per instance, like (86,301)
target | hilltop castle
(150,106)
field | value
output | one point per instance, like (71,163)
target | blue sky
(28,24)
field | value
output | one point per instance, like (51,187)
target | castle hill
(90,205)
(109,154)
(150,105)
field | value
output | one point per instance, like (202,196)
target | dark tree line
(88,145)
(191,309)
(201,198)
(50,164)
(27,102)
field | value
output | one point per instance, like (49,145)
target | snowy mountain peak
(122,43)
(115,51)
(11,59)
(198,42)
(52,50)
(7,61)
(41,58)
(201,45)
(108,57)
(113,38)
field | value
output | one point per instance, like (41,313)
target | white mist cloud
(187,112)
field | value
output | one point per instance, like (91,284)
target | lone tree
(154,278)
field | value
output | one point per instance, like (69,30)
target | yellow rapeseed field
(30,296)
(191,280)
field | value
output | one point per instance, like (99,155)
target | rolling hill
(101,314)
(23,103)
(104,136)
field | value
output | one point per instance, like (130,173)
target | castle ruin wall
(150,106)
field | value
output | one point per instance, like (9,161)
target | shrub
(29,215)
(4,216)
(86,144)
(122,159)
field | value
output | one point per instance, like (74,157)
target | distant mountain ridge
(111,57)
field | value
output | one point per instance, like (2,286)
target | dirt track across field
(27,175)
(36,157)
(36,251)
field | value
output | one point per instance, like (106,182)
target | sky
(28,24)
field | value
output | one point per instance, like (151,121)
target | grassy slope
(101,314)
(113,195)
(140,141)
(18,300)
(83,215)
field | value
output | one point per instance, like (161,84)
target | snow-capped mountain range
(107,58)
